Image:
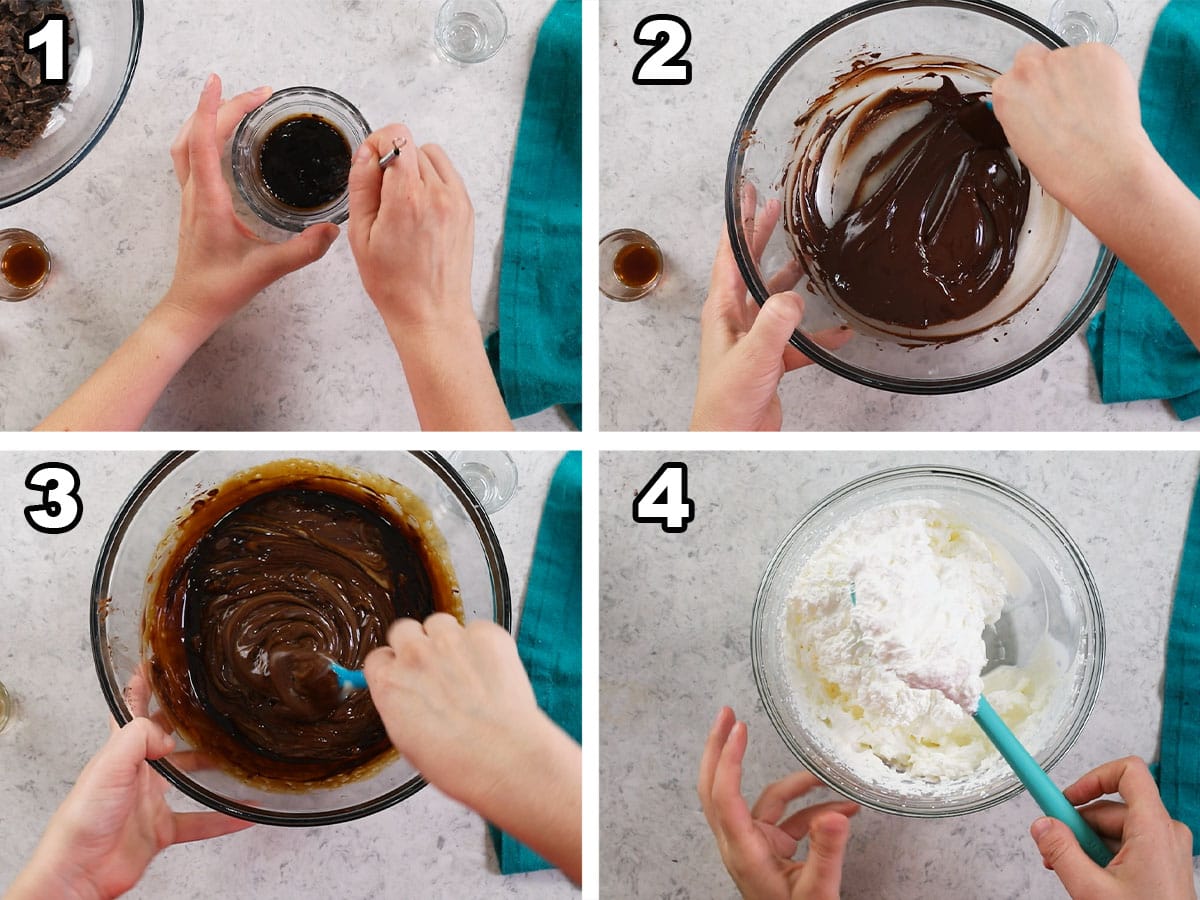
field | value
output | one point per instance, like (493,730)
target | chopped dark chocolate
(25,103)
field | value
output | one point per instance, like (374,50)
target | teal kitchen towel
(1179,745)
(550,636)
(537,352)
(1138,348)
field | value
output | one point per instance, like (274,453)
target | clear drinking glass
(631,264)
(1084,21)
(24,264)
(470,31)
(490,474)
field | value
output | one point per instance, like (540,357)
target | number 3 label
(49,42)
(61,507)
(664,500)
(670,37)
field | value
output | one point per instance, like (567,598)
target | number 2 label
(664,500)
(49,43)
(670,37)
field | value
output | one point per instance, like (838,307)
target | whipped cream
(885,628)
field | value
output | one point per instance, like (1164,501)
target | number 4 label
(670,37)
(664,500)
(49,42)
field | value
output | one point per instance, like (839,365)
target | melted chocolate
(275,578)
(930,234)
(305,162)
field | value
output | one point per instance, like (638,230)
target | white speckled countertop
(675,643)
(311,352)
(426,846)
(662,169)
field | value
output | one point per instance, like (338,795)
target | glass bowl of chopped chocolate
(57,101)
(869,174)
(230,582)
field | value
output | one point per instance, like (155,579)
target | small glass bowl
(247,145)
(1056,598)
(10,237)
(611,246)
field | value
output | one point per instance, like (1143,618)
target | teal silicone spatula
(349,678)
(1041,788)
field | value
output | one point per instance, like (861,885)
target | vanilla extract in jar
(305,161)
(24,264)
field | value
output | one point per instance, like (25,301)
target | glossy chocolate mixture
(935,241)
(248,608)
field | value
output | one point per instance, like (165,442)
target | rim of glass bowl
(260,201)
(130,66)
(1105,262)
(1093,618)
(503,616)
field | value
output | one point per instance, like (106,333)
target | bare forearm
(450,378)
(1151,221)
(121,393)
(539,799)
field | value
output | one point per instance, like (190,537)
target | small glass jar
(24,264)
(631,264)
(246,159)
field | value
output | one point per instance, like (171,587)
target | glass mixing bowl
(1054,596)
(983,32)
(108,38)
(122,583)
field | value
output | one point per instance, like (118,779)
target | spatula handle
(1041,788)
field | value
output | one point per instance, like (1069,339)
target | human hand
(456,702)
(1155,855)
(115,820)
(744,350)
(412,230)
(1072,116)
(757,845)
(221,264)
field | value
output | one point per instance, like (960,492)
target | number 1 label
(49,43)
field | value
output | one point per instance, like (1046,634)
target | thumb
(140,739)
(1061,853)
(297,252)
(772,329)
(821,877)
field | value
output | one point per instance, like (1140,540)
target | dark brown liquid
(266,576)
(24,265)
(636,265)
(305,162)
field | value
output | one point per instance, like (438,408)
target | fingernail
(265,89)
(1039,828)
(212,79)
(363,154)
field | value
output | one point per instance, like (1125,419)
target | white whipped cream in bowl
(893,605)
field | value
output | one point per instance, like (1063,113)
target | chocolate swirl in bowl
(265,574)
(906,207)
